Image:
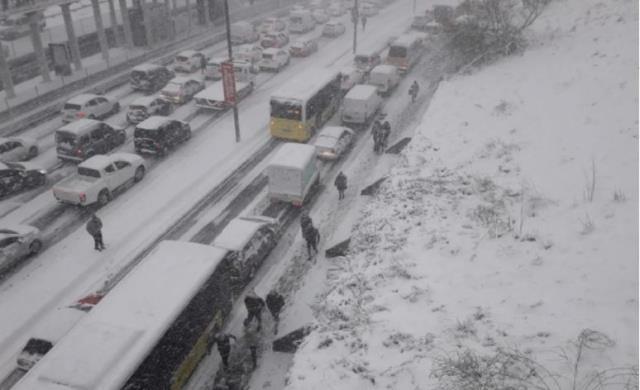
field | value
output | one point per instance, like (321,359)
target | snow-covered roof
(153,122)
(385,69)
(180,79)
(304,85)
(79,127)
(361,92)
(333,131)
(97,162)
(237,233)
(146,67)
(143,101)
(271,50)
(216,60)
(405,40)
(187,53)
(292,155)
(82,98)
(106,347)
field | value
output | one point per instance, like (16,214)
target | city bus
(304,104)
(149,332)
(405,51)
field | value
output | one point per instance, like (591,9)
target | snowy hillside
(510,224)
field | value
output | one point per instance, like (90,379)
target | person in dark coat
(203,63)
(341,184)
(312,236)
(275,303)
(252,337)
(384,136)
(413,91)
(377,136)
(305,221)
(254,305)
(94,227)
(363,19)
(223,340)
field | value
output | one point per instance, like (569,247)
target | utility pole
(355,17)
(236,120)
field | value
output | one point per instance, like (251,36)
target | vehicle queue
(298,111)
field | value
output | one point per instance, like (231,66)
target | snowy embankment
(510,223)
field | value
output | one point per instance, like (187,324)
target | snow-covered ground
(509,224)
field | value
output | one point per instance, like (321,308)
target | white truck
(385,78)
(292,172)
(301,21)
(213,96)
(360,105)
(243,32)
(99,177)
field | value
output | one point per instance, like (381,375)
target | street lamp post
(236,120)
(354,17)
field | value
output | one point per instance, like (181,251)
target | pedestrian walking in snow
(252,337)
(203,64)
(275,303)
(363,19)
(305,221)
(384,136)
(413,91)
(341,184)
(254,305)
(94,227)
(312,236)
(377,136)
(223,341)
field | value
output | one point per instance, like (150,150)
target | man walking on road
(223,340)
(203,63)
(413,91)
(275,303)
(254,305)
(94,227)
(363,19)
(341,184)
(312,236)
(252,337)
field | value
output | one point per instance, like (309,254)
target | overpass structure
(34,9)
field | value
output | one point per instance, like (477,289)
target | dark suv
(15,177)
(158,134)
(84,138)
(150,78)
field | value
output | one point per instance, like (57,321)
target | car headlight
(42,171)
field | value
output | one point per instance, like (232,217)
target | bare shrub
(485,29)
(465,328)
(587,225)
(619,196)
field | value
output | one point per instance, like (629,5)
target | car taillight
(79,152)
(83,197)
(80,114)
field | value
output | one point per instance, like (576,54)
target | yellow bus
(304,104)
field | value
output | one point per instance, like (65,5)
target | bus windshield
(398,51)
(286,110)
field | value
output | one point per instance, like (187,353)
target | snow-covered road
(132,221)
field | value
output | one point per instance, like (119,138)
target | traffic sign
(228,82)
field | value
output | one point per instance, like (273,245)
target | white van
(301,21)
(365,60)
(213,70)
(292,172)
(360,105)
(243,32)
(385,78)
(350,76)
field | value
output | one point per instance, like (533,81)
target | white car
(99,177)
(320,16)
(333,28)
(146,106)
(250,53)
(272,24)
(88,105)
(181,89)
(332,142)
(17,242)
(189,61)
(303,47)
(18,149)
(274,59)
(274,39)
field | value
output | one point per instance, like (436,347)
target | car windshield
(82,171)
(137,108)
(7,231)
(325,141)
(267,56)
(397,51)
(182,59)
(296,19)
(15,165)
(138,75)
(362,59)
(145,133)
(38,346)
(71,106)
(172,87)
(286,110)
(65,139)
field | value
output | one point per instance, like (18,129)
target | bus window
(286,110)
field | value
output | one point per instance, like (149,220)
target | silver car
(18,148)
(17,242)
